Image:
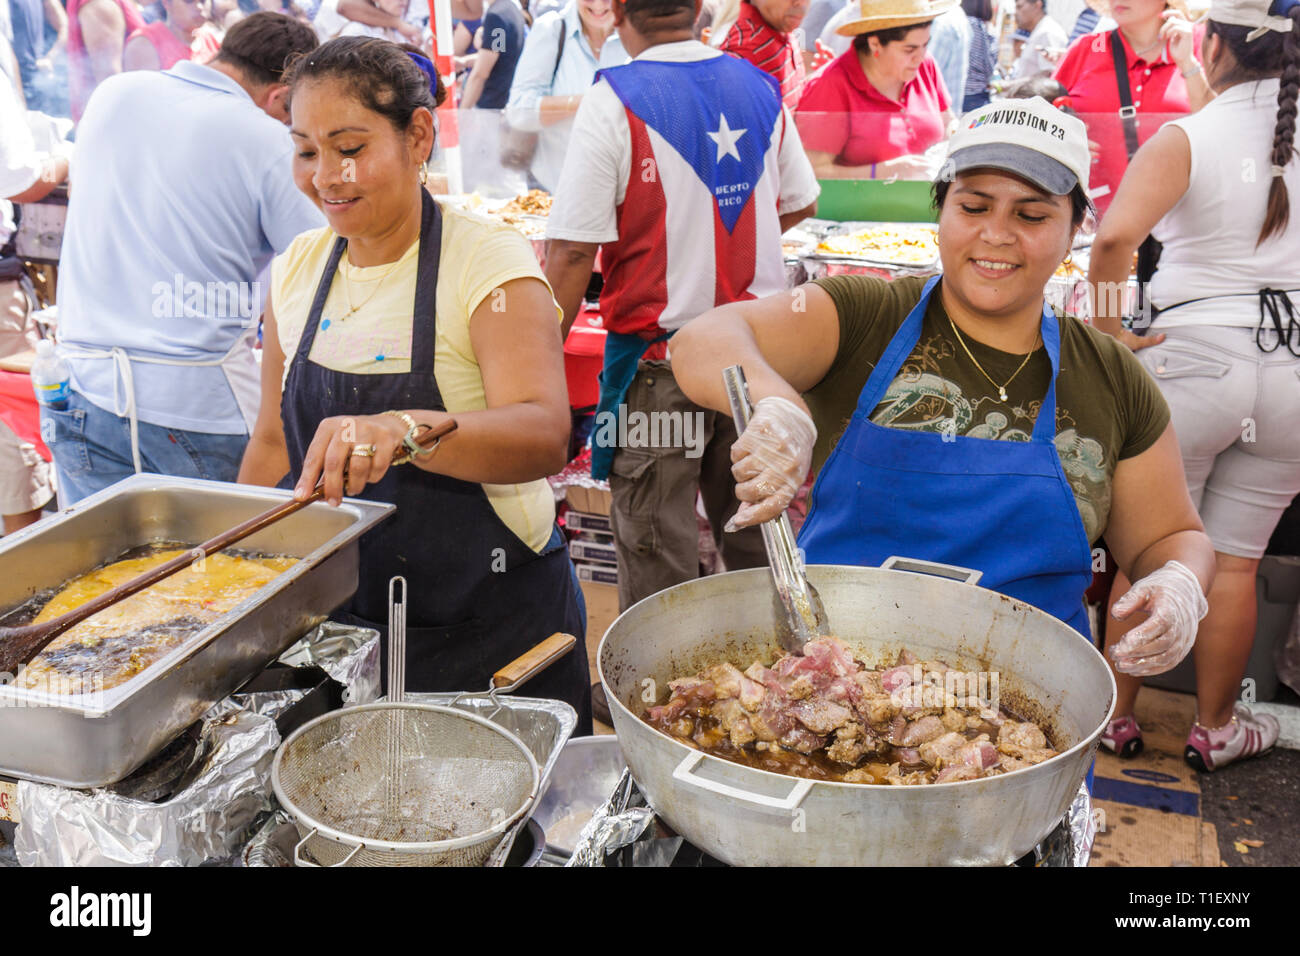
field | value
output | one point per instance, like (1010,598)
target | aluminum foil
(348,654)
(614,825)
(208,820)
(625,820)
(268,846)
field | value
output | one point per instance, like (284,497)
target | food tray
(93,739)
(883,260)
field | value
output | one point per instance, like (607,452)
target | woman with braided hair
(1221,190)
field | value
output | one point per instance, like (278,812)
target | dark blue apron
(478,595)
(1001,507)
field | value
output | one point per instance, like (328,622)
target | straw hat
(887,14)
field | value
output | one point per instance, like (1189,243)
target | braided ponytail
(1279,202)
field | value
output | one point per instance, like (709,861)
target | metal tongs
(800,614)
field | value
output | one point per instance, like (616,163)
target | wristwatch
(413,431)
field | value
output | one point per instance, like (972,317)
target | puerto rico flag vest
(698,226)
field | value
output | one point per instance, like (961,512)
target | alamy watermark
(637,429)
(182,298)
(915,686)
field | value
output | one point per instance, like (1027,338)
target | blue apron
(622,358)
(478,596)
(1002,507)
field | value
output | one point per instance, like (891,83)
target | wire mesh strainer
(464,781)
(398,784)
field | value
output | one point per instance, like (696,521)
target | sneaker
(1244,736)
(1123,737)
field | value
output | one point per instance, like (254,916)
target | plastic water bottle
(51,377)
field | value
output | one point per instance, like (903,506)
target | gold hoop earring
(1069,259)
(424,174)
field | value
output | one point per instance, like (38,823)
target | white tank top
(1209,236)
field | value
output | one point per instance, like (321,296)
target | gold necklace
(347,292)
(1002,389)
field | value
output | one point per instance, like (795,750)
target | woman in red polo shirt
(871,111)
(164,43)
(1165,81)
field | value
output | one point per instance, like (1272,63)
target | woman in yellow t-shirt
(358,361)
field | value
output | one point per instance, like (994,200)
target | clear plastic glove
(1175,604)
(770,460)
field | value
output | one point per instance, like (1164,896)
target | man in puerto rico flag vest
(683,169)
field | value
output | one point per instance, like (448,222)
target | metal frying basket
(464,782)
(405,784)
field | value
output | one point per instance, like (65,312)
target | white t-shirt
(20,164)
(1048,34)
(328,22)
(356,28)
(1209,235)
(833,41)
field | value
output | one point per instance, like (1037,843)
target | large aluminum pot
(1045,670)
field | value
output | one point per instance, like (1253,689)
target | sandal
(1123,737)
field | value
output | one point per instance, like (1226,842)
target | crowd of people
(680,141)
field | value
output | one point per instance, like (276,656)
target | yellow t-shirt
(478,256)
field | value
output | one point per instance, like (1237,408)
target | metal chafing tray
(97,738)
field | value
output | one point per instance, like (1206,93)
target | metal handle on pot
(300,860)
(950,572)
(685,774)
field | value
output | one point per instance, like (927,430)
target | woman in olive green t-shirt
(960,420)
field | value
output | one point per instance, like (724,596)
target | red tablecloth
(19,410)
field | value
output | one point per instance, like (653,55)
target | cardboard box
(595,501)
(602,609)
(582,521)
(597,573)
(589,548)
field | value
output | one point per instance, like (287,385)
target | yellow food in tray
(120,641)
(902,244)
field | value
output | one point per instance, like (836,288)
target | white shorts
(1236,412)
(26,479)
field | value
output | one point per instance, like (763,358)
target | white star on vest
(726,138)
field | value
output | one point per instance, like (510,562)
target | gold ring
(364,451)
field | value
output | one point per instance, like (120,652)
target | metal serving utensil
(800,614)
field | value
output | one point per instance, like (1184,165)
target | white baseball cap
(1028,137)
(1253,13)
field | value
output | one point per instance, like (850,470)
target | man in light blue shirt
(950,40)
(185,194)
(552,75)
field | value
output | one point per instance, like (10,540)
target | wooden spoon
(18,645)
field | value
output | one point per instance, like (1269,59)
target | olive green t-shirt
(1107,407)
